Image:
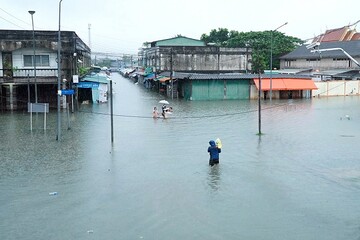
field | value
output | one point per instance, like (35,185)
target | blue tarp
(150,76)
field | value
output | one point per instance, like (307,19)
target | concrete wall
(337,88)
(321,64)
(198,59)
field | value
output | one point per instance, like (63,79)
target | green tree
(219,37)
(259,42)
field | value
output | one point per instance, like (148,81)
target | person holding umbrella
(163,110)
(164,107)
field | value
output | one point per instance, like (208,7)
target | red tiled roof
(356,36)
(335,34)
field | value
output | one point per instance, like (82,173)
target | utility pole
(59,78)
(259,103)
(34,56)
(171,73)
(89,27)
(111,112)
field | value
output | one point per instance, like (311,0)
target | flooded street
(299,180)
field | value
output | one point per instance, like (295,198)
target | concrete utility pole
(59,78)
(171,74)
(34,56)
(89,27)
(259,105)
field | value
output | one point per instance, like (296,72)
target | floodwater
(299,180)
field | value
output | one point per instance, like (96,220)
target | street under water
(299,180)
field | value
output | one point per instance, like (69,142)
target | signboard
(88,85)
(38,107)
(75,78)
(67,92)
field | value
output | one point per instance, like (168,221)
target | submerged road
(300,180)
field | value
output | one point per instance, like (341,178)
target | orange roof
(164,79)
(286,84)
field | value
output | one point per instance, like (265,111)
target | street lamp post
(34,56)
(59,77)
(271,56)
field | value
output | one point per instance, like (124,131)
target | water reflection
(214,177)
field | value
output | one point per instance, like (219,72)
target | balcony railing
(23,75)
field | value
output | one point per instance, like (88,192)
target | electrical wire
(12,23)
(15,17)
(188,117)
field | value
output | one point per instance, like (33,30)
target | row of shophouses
(179,67)
(190,69)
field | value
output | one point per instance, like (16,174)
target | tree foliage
(260,43)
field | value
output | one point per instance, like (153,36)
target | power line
(188,117)
(12,23)
(15,17)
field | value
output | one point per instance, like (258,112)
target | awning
(150,76)
(162,79)
(286,84)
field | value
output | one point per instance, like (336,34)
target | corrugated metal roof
(232,76)
(100,78)
(333,72)
(178,41)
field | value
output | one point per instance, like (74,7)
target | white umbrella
(164,102)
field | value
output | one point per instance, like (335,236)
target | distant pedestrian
(163,113)
(214,151)
(155,113)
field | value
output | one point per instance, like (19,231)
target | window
(41,60)
(288,63)
(312,59)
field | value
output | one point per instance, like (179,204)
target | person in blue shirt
(214,151)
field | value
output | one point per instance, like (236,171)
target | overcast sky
(121,26)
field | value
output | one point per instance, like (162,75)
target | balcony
(25,75)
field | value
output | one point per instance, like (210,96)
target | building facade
(22,79)
(239,86)
(332,64)
(191,55)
